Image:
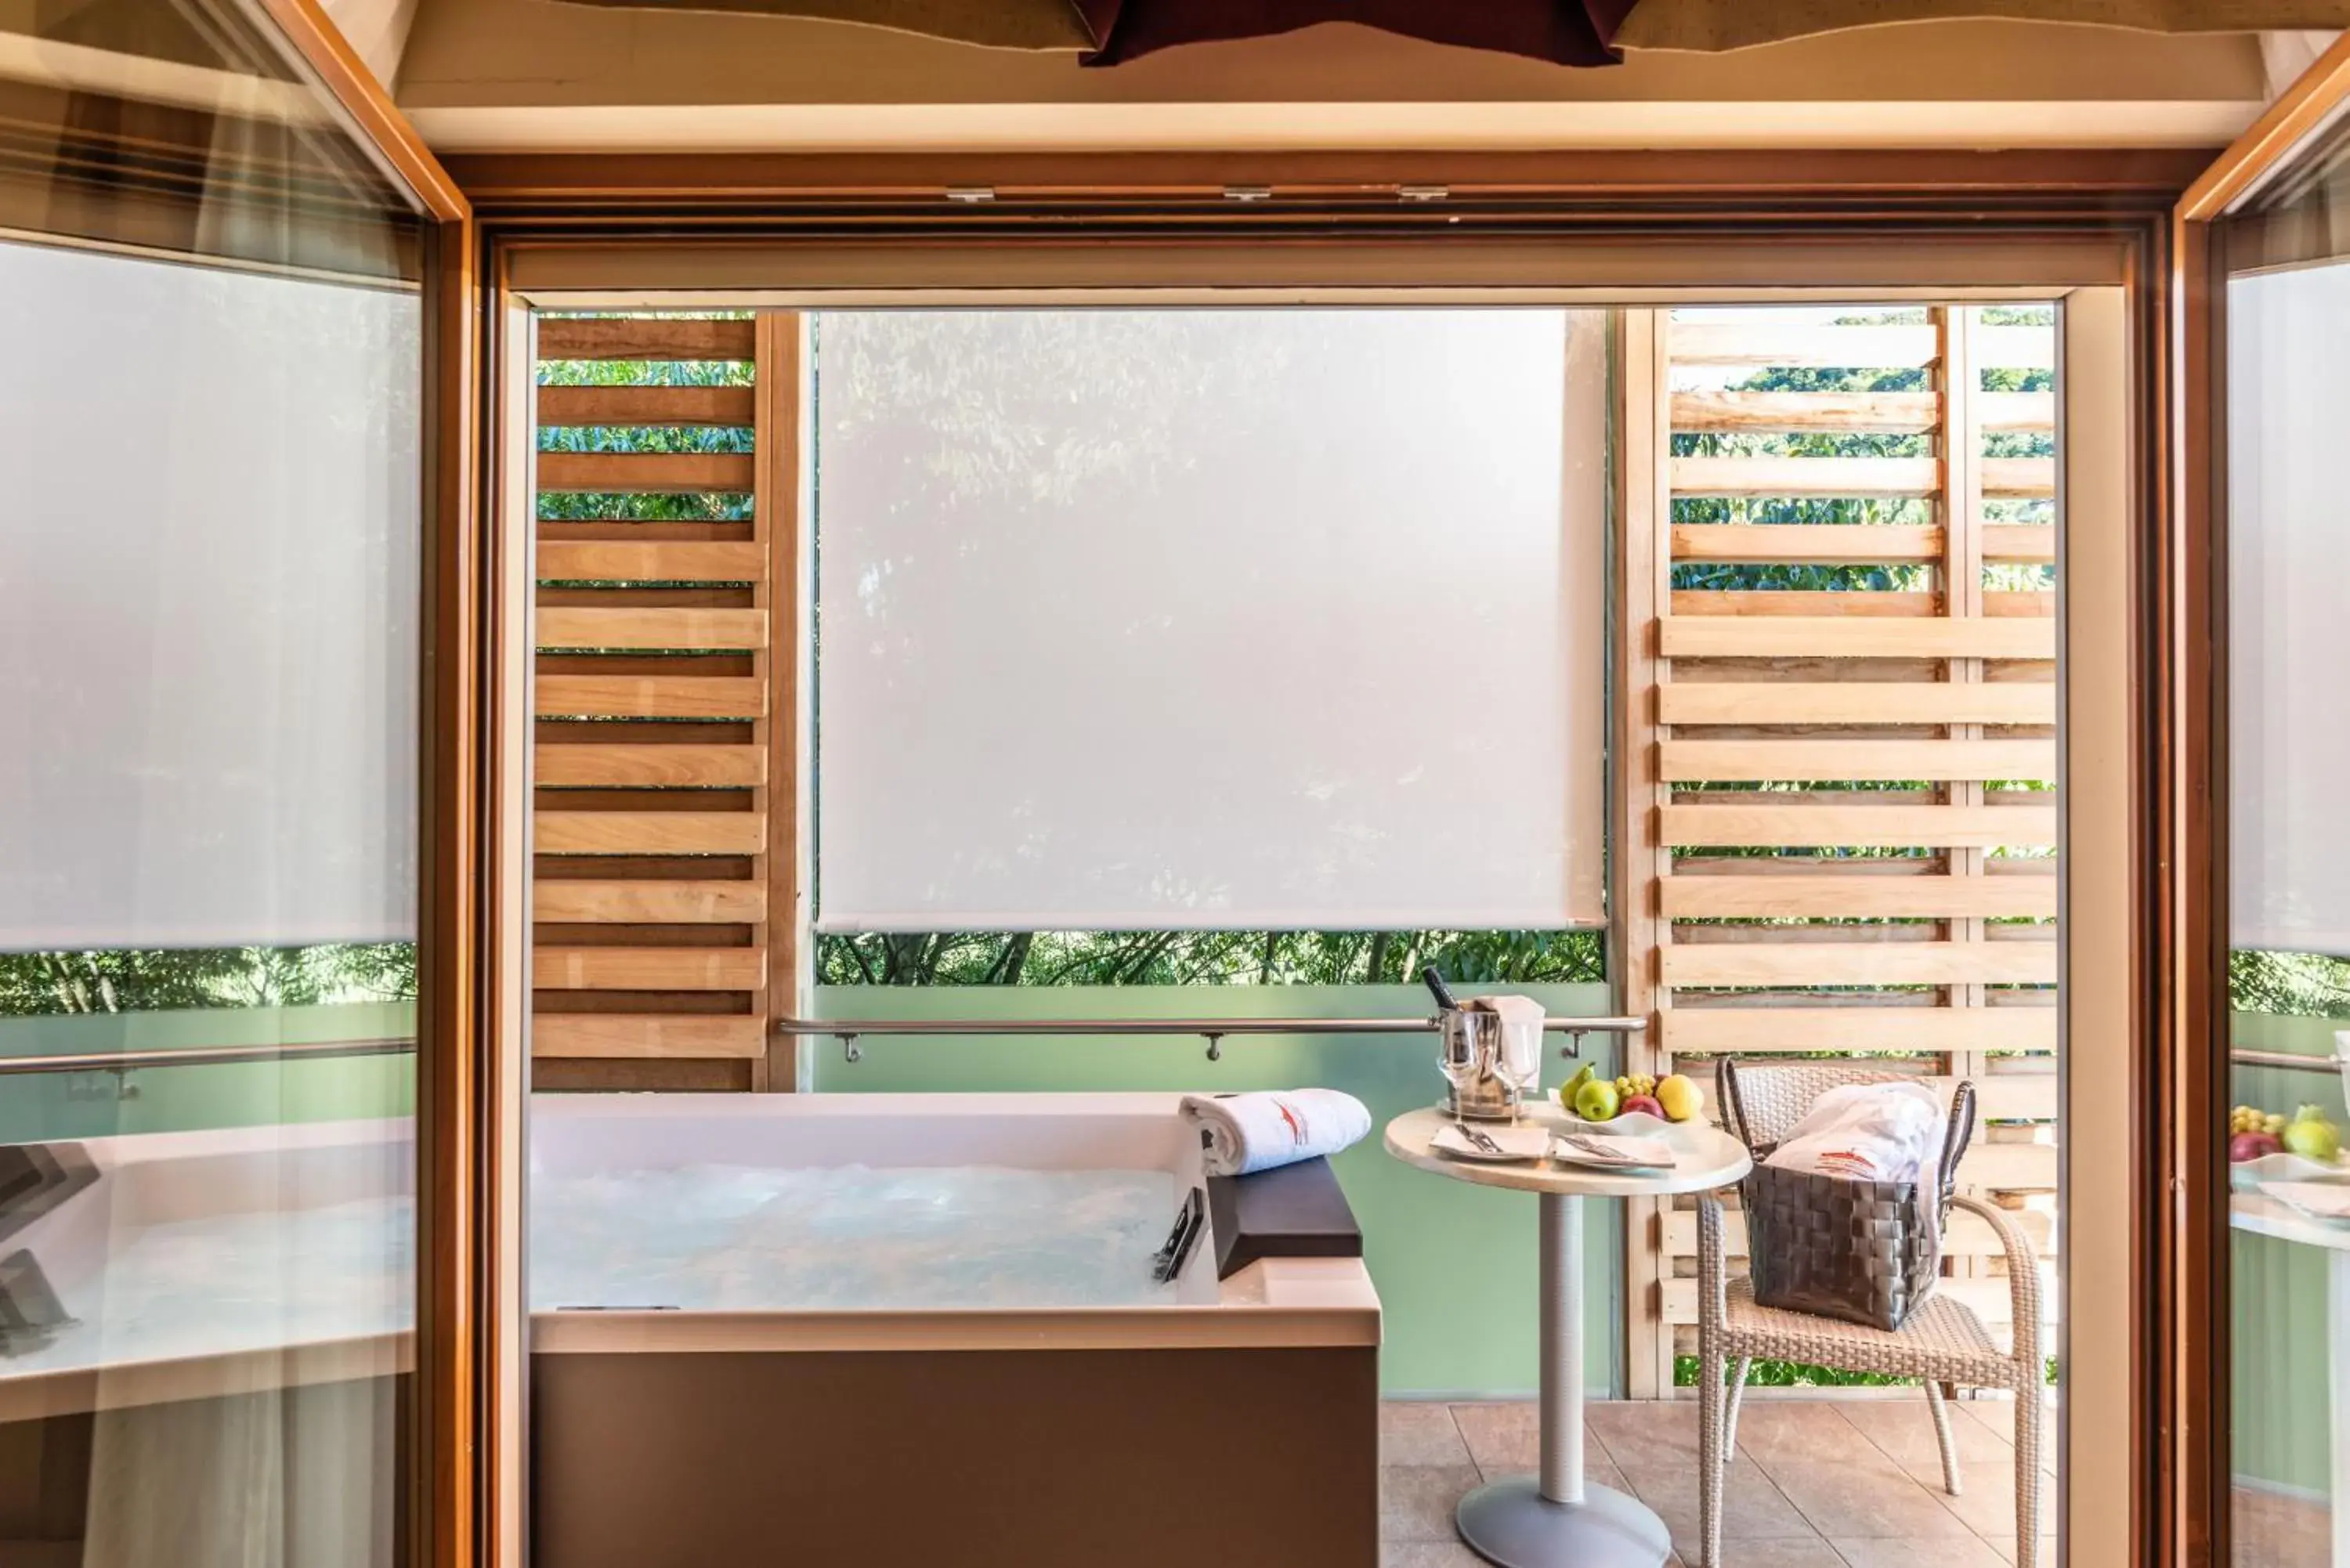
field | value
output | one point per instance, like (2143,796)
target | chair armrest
(1713,1260)
(2022,1275)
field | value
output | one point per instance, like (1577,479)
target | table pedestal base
(1509,1523)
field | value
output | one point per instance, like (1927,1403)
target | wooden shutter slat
(1831,896)
(2010,478)
(2034,542)
(1861,827)
(650,628)
(568,902)
(1806,543)
(639,407)
(644,473)
(1859,963)
(1702,637)
(693,562)
(649,696)
(649,832)
(1810,477)
(1897,413)
(647,969)
(1711,1030)
(1779,759)
(1855,702)
(571,764)
(655,338)
(1802,345)
(660,1035)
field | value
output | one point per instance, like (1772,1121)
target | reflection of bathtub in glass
(1232,1421)
(218,1262)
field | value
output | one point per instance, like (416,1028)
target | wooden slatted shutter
(1838,829)
(667,546)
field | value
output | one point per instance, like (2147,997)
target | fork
(1481,1140)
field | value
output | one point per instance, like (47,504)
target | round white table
(1554,1519)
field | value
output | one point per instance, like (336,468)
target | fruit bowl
(2247,1175)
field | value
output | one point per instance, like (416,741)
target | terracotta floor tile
(2273,1531)
(1505,1439)
(1905,1429)
(1415,1501)
(1986,1499)
(1428,1554)
(1788,1553)
(1419,1432)
(1998,1417)
(2005,1547)
(1841,1483)
(1882,1551)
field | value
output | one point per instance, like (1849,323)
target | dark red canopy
(1568,32)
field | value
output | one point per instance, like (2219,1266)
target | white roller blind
(2288,619)
(209,569)
(1277,618)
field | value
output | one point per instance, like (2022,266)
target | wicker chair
(1942,1342)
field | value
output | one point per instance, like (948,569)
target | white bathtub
(1237,1424)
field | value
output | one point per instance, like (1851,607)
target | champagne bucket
(1473,1056)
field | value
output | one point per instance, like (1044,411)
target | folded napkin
(1252,1132)
(1868,1132)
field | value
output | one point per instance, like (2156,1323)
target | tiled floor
(1816,1483)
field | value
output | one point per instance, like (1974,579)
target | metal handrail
(203,1055)
(2291,1062)
(1212,1030)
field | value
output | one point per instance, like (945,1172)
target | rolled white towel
(1258,1131)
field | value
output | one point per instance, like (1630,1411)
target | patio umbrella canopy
(1564,32)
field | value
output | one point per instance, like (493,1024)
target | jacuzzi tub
(1230,1421)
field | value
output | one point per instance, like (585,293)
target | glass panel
(2288,402)
(210,581)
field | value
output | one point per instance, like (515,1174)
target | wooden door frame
(2193,723)
(1628,227)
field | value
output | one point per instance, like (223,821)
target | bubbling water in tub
(721,1238)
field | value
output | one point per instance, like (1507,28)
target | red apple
(2247,1146)
(1644,1103)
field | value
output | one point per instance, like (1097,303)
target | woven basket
(1864,1252)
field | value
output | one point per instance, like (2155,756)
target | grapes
(2253,1119)
(1632,1084)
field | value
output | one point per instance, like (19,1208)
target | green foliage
(143,980)
(2292,985)
(1207,958)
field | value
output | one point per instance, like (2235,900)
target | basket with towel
(1843,1214)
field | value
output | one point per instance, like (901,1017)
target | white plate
(1638,1153)
(2247,1175)
(1519,1142)
(1631,1124)
(2328,1200)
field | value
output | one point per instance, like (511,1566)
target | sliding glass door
(210,579)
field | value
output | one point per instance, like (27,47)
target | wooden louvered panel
(647,337)
(618,408)
(647,969)
(1791,913)
(1854,702)
(1859,963)
(1844,896)
(1818,543)
(1781,759)
(642,629)
(643,473)
(649,697)
(1851,636)
(1803,825)
(654,902)
(576,766)
(602,561)
(649,832)
(1711,1030)
(565,901)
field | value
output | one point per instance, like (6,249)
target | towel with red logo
(1257,1131)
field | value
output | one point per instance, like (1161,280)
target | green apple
(1597,1101)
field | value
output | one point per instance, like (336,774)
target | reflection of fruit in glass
(2247,1146)
(2312,1135)
(1679,1097)
(1597,1101)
